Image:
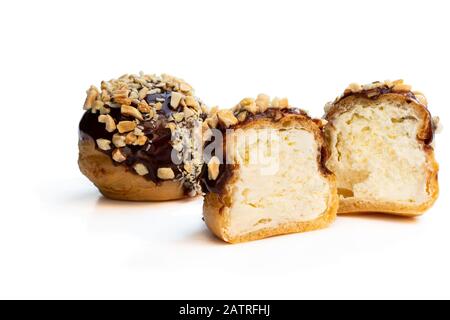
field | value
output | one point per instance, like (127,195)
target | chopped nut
(131,138)
(138,131)
(185,87)
(144,107)
(158,106)
(242,116)
(263,102)
(119,140)
(166,174)
(141,169)
(188,112)
(92,95)
(401,87)
(105,96)
(213,168)
(140,141)
(143,93)
(104,144)
(178,117)
(354,87)
(126,126)
(98,105)
(284,103)
(227,118)
(131,111)
(191,102)
(109,121)
(121,97)
(118,156)
(275,103)
(175,99)
(213,121)
(249,104)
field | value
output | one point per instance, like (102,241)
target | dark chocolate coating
(156,153)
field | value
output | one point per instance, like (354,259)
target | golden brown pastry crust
(401,93)
(217,204)
(117,182)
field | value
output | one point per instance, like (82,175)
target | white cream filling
(376,155)
(283,185)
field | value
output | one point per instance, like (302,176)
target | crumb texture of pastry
(379,137)
(145,128)
(276,182)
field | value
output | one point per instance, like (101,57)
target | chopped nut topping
(141,140)
(242,116)
(109,121)
(227,118)
(213,121)
(144,107)
(158,106)
(188,112)
(175,100)
(141,169)
(132,95)
(119,140)
(179,116)
(92,95)
(401,88)
(126,126)
(213,168)
(284,103)
(118,156)
(275,103)
(143,93)
(121,96)
(104,144)
(131,111)
(263,102)
(250,105)
(166,174)
(185,87)
(354,87)
(131,138)
(191,102)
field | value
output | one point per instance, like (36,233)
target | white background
(60,239)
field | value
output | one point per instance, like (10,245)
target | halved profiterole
(380,137)
(247,198)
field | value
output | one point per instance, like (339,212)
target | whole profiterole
(140,138)
(269,178)
(380,138)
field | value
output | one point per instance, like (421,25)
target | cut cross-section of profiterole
(266,175)
(380,138)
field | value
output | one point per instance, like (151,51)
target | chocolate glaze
(226,171)
(156,153)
